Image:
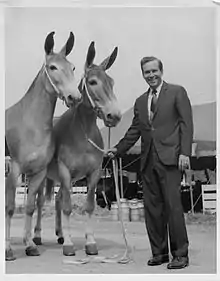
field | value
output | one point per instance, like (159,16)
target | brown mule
(28,133)
(79,147)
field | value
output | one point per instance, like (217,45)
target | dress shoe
(158,260)
(178,263)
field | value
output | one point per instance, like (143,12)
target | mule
(28,133)
(80,149)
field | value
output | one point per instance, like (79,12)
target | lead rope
(113,259)
(95,145)
(125,258)
(91,141)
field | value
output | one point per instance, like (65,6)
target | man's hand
(184,162)
(111,152)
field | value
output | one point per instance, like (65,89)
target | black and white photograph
(111,138)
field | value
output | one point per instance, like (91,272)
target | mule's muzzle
(112,119)
(73,100)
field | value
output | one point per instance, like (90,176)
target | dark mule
(28,132)
(79,147)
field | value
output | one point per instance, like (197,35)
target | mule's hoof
(60,240)
(32,251)
(91,249)
(37,241)
(9,256)
(68,250)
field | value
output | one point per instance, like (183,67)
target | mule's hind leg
(65,179)
(91,247)
(34,186)
(10,188)
(58,208)
(40,203)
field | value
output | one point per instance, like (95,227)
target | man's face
(152,74)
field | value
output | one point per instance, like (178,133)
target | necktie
(153,101)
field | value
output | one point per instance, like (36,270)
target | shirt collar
(158,89)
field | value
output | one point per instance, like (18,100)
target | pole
(191,198)
(109,137)
(103,184)
(191,191)
(121,177)
(25,189)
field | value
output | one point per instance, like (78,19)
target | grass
(78,200)
(77,204)
(200,218)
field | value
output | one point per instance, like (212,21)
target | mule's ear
(67,48)
(107,63)
(90,55)
(49,43)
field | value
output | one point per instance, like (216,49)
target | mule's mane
(35,80)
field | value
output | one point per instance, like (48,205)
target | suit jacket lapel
(160,98)
(144,107)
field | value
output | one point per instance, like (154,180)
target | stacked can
(125,209)
(134,210)
(114,211)
(141,209)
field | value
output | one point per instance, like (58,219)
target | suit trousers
(163,208)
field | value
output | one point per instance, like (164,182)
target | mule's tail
(49,189)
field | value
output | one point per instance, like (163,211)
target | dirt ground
(202,251)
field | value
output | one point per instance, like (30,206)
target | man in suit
(163,120)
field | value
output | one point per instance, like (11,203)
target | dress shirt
(158,89)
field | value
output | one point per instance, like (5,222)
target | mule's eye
(53,67)
(74,68)
(92,82)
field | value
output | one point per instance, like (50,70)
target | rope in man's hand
(111,153)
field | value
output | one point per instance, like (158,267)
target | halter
(94,108)
(52,84)
(87,93)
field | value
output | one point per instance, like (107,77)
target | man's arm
(131,136)
(186,127)
(186,122)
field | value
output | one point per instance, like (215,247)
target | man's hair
(148,59)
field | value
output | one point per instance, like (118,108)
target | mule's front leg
(34,185)
(10,188)
(40,204)
(91,247)
(65,179)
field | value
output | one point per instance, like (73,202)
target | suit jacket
(171,129)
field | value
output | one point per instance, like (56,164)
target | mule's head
(60,72)
(98,88)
